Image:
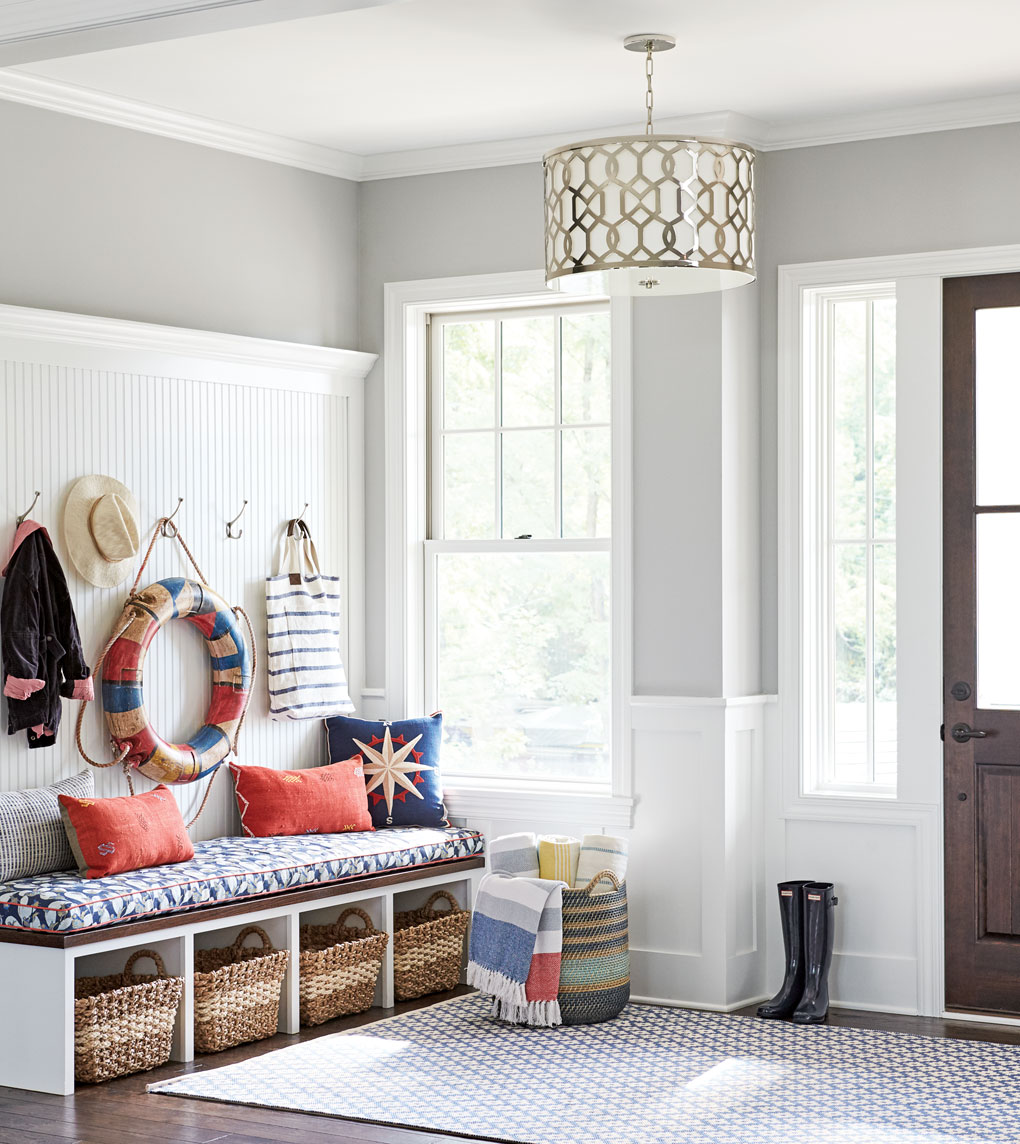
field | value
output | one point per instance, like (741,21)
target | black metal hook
(167,525)
(21,519)
(231,523)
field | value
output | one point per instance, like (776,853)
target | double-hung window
(848,506)
(517,556)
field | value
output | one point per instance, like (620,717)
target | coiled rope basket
(595,969)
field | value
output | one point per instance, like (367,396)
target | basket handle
(598,878)
(453,903)
(355,911)
(245,934)
(129,966)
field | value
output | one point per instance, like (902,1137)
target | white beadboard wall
(213,419)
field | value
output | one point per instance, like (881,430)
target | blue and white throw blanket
(516,946)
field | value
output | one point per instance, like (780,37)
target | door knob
(962,732)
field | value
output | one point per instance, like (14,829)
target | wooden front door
(981,594)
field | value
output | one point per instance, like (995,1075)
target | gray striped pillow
(32,838)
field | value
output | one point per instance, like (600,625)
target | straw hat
(101,530)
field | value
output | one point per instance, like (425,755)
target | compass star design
(390,768)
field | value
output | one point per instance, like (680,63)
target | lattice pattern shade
(627,212)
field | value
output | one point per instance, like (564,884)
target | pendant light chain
(649,97)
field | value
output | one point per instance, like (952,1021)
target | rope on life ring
(120,668)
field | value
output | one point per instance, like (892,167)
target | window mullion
(869,500)
(497,422)
(558,418)
(828,645)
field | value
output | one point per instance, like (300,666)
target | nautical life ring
(122,666)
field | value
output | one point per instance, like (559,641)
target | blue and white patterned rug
(652,1076)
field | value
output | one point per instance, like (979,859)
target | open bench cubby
(39,969)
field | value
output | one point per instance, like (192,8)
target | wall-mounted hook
(230,524)
(167,527)
(24,515)
(301,514)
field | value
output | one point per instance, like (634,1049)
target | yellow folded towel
(557,857)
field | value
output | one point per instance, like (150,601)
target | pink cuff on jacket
(16,688)
(84,690)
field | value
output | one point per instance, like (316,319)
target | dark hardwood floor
(121,1112)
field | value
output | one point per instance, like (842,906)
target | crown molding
(70,99)
(27,20)
(328,367)
(509,152)
(953,116)
(32,30)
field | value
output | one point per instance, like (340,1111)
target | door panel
(981,622)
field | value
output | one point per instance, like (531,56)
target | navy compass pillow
(401,766)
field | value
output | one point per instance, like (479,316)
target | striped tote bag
(305,668)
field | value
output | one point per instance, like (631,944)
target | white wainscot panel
(874,868)
(664,872)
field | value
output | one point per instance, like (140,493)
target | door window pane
(998,613)
(997,405)
(523,664)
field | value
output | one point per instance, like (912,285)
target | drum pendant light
(649,214)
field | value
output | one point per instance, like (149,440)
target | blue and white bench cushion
(225,870)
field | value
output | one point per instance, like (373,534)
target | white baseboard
(978,1018)
(673,1003)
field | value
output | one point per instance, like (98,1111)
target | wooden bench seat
(38,967)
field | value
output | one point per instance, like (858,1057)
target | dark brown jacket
(39,642)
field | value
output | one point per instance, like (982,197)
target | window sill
(559,805)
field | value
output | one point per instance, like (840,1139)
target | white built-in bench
(45,946)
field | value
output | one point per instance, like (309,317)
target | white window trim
(406,306)
(918,357)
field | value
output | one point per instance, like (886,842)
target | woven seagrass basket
(124,1023)
(428,948)
(339,967)
(237,992)
(595,970)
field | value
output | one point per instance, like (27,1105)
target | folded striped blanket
(514,854)
(600,852)
(515,948)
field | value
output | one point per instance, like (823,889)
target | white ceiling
(434,73)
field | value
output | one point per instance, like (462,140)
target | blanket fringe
(509,1000)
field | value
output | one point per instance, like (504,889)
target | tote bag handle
(298,556)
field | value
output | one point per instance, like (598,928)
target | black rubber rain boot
(819,901)
(791,911)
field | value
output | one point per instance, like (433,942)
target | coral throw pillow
(401,762)
(111,835)
(322,800)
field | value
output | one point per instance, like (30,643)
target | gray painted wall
(101,220)
(429,226)
(695,627)
(942,191)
